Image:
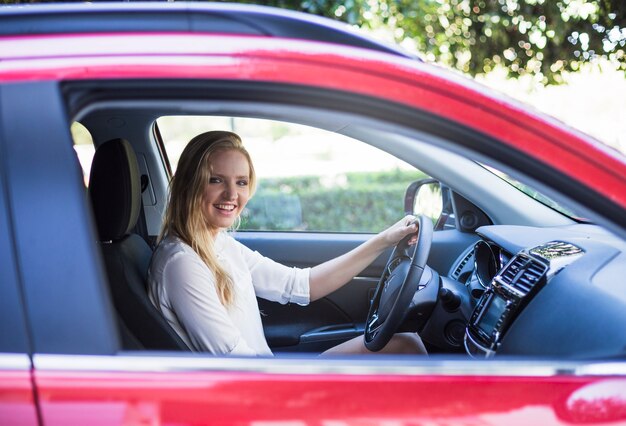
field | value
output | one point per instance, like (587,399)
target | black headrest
(115,189)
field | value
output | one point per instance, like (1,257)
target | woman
(205,283)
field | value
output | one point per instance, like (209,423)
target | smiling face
(228,189)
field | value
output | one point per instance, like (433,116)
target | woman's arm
(333,274)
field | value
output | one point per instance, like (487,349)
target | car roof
(220,18)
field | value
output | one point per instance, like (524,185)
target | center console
(510,290)
(499,305)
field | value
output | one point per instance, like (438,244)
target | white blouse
(182,288)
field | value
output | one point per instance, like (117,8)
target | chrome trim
(502,259)
(14,361)
(328,334)
(367,279)
(498,280)
(362,365)
(477,268)
(488,353)
(550,250)
(602,369)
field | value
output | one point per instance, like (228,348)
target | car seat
(115,193)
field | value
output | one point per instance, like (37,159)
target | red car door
(127,390)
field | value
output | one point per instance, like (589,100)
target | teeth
(228,207)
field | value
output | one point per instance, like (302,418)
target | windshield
(533,193)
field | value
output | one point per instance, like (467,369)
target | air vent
(529,277)
(511,271)
(457,272)
(522,274)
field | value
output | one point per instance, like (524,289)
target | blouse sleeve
(274,281)
(191,290)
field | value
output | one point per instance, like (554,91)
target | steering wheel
(397,286)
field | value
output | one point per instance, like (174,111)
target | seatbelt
(142,228)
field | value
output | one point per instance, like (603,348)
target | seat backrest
(115,193)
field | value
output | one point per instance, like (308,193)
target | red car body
(49,389)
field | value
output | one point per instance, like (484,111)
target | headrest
(115,189)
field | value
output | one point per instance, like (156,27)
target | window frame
(67,304)
(14,334)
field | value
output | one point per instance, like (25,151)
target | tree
(544,38)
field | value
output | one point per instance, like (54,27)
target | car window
(308,179)
(536,195)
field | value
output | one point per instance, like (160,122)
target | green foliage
(543,38)
(361,202)
(538,37)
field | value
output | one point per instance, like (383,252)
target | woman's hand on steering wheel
(406,226)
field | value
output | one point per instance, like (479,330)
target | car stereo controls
(509,292)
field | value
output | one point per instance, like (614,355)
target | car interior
(510,263)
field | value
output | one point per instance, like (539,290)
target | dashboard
(546,292)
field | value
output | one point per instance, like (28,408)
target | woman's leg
(400,343)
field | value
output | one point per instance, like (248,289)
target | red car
(518,292)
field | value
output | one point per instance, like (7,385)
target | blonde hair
(185,216)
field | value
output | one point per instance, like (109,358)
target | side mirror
(427,197)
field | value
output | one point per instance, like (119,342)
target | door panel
(384,390)
(340,315)
(326,322)
(320,325)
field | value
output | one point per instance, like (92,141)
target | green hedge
(355,202)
